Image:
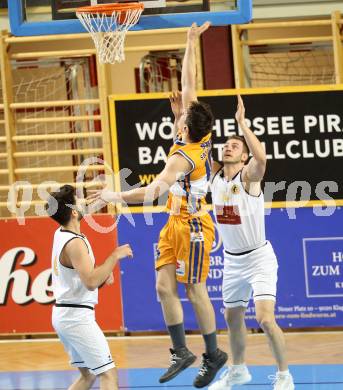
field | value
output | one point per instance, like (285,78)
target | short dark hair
(242,139)
(199,120)
(64,196)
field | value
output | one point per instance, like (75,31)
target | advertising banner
(301,131)
(25,275)
(309,249)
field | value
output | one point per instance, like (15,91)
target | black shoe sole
(187,363)
(221,364)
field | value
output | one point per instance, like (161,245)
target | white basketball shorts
(253,273)
(82,338)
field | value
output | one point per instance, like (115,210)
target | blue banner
(323,262)
(310,282)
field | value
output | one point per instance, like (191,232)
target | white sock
(284,373)
(239,367)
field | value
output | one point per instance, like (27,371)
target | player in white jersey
(75,282)
(250,264)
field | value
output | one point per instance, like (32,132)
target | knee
(191,293)
(234,320)
(109,375)
(197,294)
(163,290)
(91,379)
(230,318)
(88,377)
(266,323)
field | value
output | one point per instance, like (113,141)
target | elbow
(160,190)
(150,198)
(156,195)
(262,166)
(91,287)
(261,159)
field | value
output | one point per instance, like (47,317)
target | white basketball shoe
(230,377)
(282,381)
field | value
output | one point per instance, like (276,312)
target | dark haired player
(75,283)
(186,240)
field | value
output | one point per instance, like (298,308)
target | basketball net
(108,25)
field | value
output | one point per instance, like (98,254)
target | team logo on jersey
(235,189)
(197,236)
(180,268)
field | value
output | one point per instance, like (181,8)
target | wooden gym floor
(316,361)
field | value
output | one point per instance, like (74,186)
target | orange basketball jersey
(186,239)
(187,195)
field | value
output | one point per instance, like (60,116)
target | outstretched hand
(195,31)
(240,113)
(102,197)
(176,103)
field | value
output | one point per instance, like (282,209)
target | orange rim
(108,9)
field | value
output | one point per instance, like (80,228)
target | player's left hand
(195,31)
(110,279)
(240,113)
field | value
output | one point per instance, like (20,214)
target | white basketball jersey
(66,283)
(239,215)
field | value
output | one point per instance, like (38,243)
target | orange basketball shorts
(187,243)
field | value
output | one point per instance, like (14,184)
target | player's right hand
(103,195)
(123,251)
(176,103)
(240,113)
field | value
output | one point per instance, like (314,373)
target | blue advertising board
(310,282)
(323,262)
(142,310)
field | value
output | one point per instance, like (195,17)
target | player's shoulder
(217,171)
(195,147)
(216,167)
(205,141)
(178,144)
(76,244)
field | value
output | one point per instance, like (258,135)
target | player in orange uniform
(186,240)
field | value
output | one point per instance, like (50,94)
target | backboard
(46,17)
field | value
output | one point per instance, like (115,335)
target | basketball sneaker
(282,381)
(230,377)
(180,359)
(209,368)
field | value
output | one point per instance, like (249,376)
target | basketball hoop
(108,25)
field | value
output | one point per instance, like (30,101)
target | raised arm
(255,169)
(188,78)
(176,166)
(176,105)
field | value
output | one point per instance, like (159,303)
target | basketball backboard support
(182,14)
